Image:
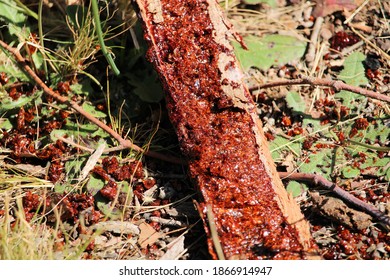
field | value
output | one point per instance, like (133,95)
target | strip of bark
(220,133)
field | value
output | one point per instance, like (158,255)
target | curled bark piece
(337,210)
(220,133)
(318,180)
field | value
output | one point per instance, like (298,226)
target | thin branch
(320,181)
(337,85)
(62,99)
(311,52)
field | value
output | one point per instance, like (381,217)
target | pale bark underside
(220,133)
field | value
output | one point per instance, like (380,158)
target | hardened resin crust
(220,133)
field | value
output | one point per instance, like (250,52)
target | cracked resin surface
(217,129)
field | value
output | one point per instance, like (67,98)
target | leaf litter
(123,208)
(318,130)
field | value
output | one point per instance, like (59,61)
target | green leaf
(271,3)
(8,103)
(147,86)
(10,13)
(73,167)
(352,74)
(319,162)
(94,185)
(125,187)
(296,188)
(83,88)
(295,102)
(14,73)
(373,162)
(315,124)
(350,162)
(37,57)
(61,188)
(105,208)
(350,172)
(280,144)
(92,110)
(378,131)
(5,124)
(13,18)
(387,174)
(269,50)
(75,130)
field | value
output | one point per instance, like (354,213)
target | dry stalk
(337,85)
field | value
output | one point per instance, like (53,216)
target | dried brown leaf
(327,7)
(148,235)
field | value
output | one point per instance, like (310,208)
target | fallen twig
(320,181)
(311,52)
(63,99)
(337,85)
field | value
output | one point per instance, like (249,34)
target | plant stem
(40,32)
(26,10)
(214,233)
(371,147)
(98,28)
(335,84)
(320,181)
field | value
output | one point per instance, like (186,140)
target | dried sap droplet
(63,87)
(361,123)
(286,121)
(3,78)
(342,40)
